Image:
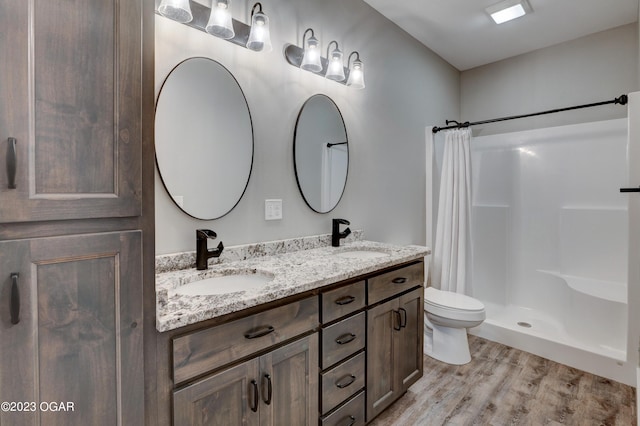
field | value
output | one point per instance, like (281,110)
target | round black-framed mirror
(321,153)
(204,138)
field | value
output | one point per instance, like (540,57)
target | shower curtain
(452,247)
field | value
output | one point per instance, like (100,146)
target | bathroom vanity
(333,336)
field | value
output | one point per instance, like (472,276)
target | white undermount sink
(224,284)
(361,254)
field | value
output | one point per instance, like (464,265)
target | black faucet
(336,235)
(202,252)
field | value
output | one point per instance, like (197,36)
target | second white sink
(224,284)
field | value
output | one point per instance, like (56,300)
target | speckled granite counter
(293,272)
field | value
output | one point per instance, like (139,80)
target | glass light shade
(335,70)
(356,75)
(259,36)
(178,10)
(311,58)
(220,24)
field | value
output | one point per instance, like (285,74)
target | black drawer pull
(254,386)
(347,421)
(15,299)
(342,383)
(12,162)
(399,280)
(345,338)
(630,189)
(269,389)
(259,332)
(345,300)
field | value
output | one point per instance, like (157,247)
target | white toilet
(447,317)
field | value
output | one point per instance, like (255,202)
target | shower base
(541,334)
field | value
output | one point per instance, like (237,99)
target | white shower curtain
(452,248)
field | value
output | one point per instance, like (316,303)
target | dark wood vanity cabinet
(394,339)
(279,387)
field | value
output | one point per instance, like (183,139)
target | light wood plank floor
(505,386)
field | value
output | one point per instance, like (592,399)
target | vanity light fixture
(220,24)
(508,10)
(356,72)
(309,59)
(178,10)
(259,36)
(218,21)
(335,69)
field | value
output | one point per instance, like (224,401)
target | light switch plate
(272,209)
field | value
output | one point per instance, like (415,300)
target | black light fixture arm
(355,52)
(304,36)
(622,100)
(253,9)
(329,45)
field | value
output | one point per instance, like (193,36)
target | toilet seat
(447,304)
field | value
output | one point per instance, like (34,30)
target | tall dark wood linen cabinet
(76,210)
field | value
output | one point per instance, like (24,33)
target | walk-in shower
(549,236)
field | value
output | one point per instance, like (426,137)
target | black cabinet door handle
(346,381)
(267,377)
(398,325)
(630,189)
(347,421)
(259,332)
(345,338)
(399,280)
(403,317)
(12,162)
(345,300)
(14,307)
(254,386)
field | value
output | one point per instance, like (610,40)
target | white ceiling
(463,34)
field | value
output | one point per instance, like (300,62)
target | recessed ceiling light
(508,10)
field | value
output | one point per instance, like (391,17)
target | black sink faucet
(336,235)
(202,252)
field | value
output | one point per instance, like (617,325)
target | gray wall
(594,68)
(408,88)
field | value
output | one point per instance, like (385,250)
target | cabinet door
(70,95)
(383,324)
(293,373)
(78,340)
(230,397)
(410,337)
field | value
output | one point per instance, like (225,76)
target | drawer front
(205,350)
(343,339)
(342,301)
(342,381)
(350,414)
(391,283)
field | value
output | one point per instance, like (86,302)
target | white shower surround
(549,235)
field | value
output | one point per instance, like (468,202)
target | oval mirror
(204,138)
(321,153)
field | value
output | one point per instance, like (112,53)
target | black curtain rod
(622,100)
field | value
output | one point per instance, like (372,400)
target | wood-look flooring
(505,386)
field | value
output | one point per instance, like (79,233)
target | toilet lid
(448,299)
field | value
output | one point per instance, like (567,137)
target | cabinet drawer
(343,339)
(205,350)
(342,381)
(350,414)
(342,301)
(391,283)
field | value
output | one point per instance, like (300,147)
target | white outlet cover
(273,209)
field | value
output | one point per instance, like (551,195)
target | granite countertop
(293,272)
